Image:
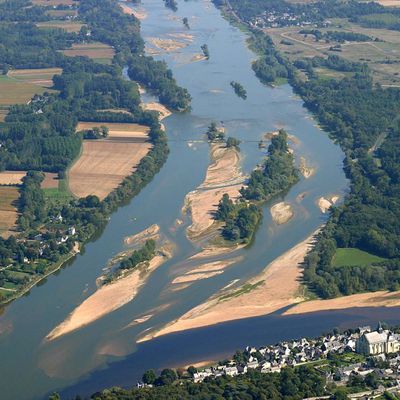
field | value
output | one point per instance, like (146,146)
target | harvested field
(13,91)
(50,181)
(96,51)
(11,177)
(68,26)
(117,130)
(8,211)
(41,77)
(104,163)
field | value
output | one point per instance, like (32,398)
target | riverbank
(276,287)
(374,299)
(111,296)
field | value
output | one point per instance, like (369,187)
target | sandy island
(223,176)
(110,297)
(152,232)
(325,203)
(282,212)
(262,294)
(205,271)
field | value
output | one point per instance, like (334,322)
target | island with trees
(240,91)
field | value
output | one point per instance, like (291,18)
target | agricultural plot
(41,77)
(354,257)
(104,163)
(99,52)
(14,91)
(11,177)
(8,209)
(382,55)
(68,26)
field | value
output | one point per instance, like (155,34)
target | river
(105,353)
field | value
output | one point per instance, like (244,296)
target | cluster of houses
(276,19)
(268,359)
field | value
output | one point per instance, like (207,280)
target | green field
(60,194)
(346,256)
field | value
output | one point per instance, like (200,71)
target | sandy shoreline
(109,297)
(258,296)
(374,299)
(325,203)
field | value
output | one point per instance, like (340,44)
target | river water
(105,353)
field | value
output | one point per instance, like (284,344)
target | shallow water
(32,367)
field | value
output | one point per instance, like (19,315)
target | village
(365,361)
(342,357)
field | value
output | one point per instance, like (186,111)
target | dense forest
(40,136)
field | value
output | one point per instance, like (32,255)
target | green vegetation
(337,36)
(277,174)
(172,4)
(146,253)
(185,22)
(239,90)
(214,133)
(290,384)
(356,257)
(206,52)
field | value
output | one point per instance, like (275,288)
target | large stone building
(378,342)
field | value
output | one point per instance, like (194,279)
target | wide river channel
(105,352)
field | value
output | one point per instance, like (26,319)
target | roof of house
(376,337)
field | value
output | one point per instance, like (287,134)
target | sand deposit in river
(110,297)
(277,286)
(223,176)
(282,213)
(325,203)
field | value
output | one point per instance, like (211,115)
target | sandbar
(282,212)
(325,203)
(150,233)
(277,286)
(109,297)
(374,299)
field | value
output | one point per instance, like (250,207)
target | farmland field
(69,26)
(11,177)
(8,211)
(13,91)
(97,51)
(41,77)
(347,257)
(104,163)
(382,56)
(118,130)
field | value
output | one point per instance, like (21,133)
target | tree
(192,370)
(149,377)
(232,142)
